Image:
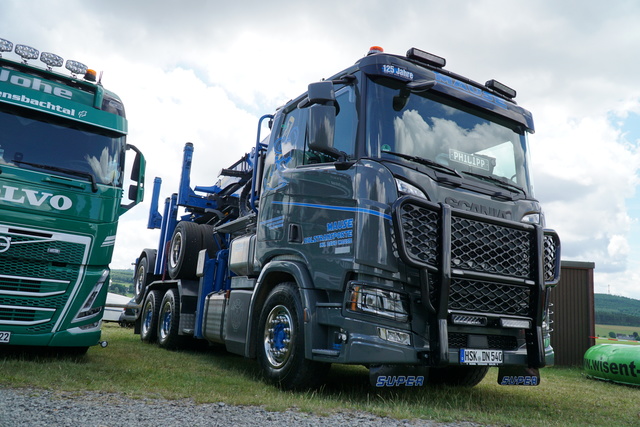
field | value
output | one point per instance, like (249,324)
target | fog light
(515,323)
(460,319)
(5,45)
(394,336)
(76,67)
(26,52)
(51,59)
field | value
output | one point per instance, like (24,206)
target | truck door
(308,206)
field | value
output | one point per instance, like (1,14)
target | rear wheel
(142,277)
(281,342)
(169,321)
(461,376)
(183,250)
(149,317)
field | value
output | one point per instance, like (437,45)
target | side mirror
(321,124)
(136,190)
(321,127)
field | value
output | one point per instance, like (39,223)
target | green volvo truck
(388,220)
(62,167)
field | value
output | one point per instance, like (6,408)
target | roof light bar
(51,59)
(426,58)
(76,67)
(375,49)
(501,88)
(5,46)
(27,52)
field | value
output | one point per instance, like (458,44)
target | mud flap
(518,375)
(398,376)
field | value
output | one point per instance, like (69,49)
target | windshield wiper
(500,182)
(427,162)
(92,179)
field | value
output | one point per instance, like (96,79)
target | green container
(619,363)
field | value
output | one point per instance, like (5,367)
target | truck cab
(390,222)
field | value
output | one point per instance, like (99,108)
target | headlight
(410,189)
(88,311)
(534,218)
(380,302)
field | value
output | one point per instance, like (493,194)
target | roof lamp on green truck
(62,163)
(387,221)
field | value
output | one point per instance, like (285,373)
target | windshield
(73,152)
(425,126)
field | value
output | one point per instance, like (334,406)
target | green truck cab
(62,163)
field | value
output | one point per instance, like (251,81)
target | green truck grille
(38,272)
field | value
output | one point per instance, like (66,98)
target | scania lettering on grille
(34,198)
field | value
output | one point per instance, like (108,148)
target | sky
(204,72)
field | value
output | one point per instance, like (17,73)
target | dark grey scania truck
(388,220)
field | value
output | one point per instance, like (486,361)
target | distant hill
(616,310)
(121,282)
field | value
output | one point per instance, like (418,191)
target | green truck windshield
(420,126)
(38,145)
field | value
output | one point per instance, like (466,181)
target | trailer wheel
(142,277)
(281,342)
(183,250)
(149,317)
(460,376)
(169,321)
(208,239)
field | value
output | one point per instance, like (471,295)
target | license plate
(4,337)
(480,357)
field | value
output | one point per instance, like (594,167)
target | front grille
(44,249)
(490,248)
(476,245)
(487,297)
(38,271)
(420,231)
(551,258)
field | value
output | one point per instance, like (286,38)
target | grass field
(603,331)
(127,366)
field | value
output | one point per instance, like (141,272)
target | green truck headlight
(88,310)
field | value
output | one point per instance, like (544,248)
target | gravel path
(35,408)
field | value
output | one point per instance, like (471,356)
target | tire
(208,241)
(183,250)
(142,277)
(169,321)
(149,317)
(458,376)
(280,342)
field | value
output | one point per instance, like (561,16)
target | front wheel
(281,342)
